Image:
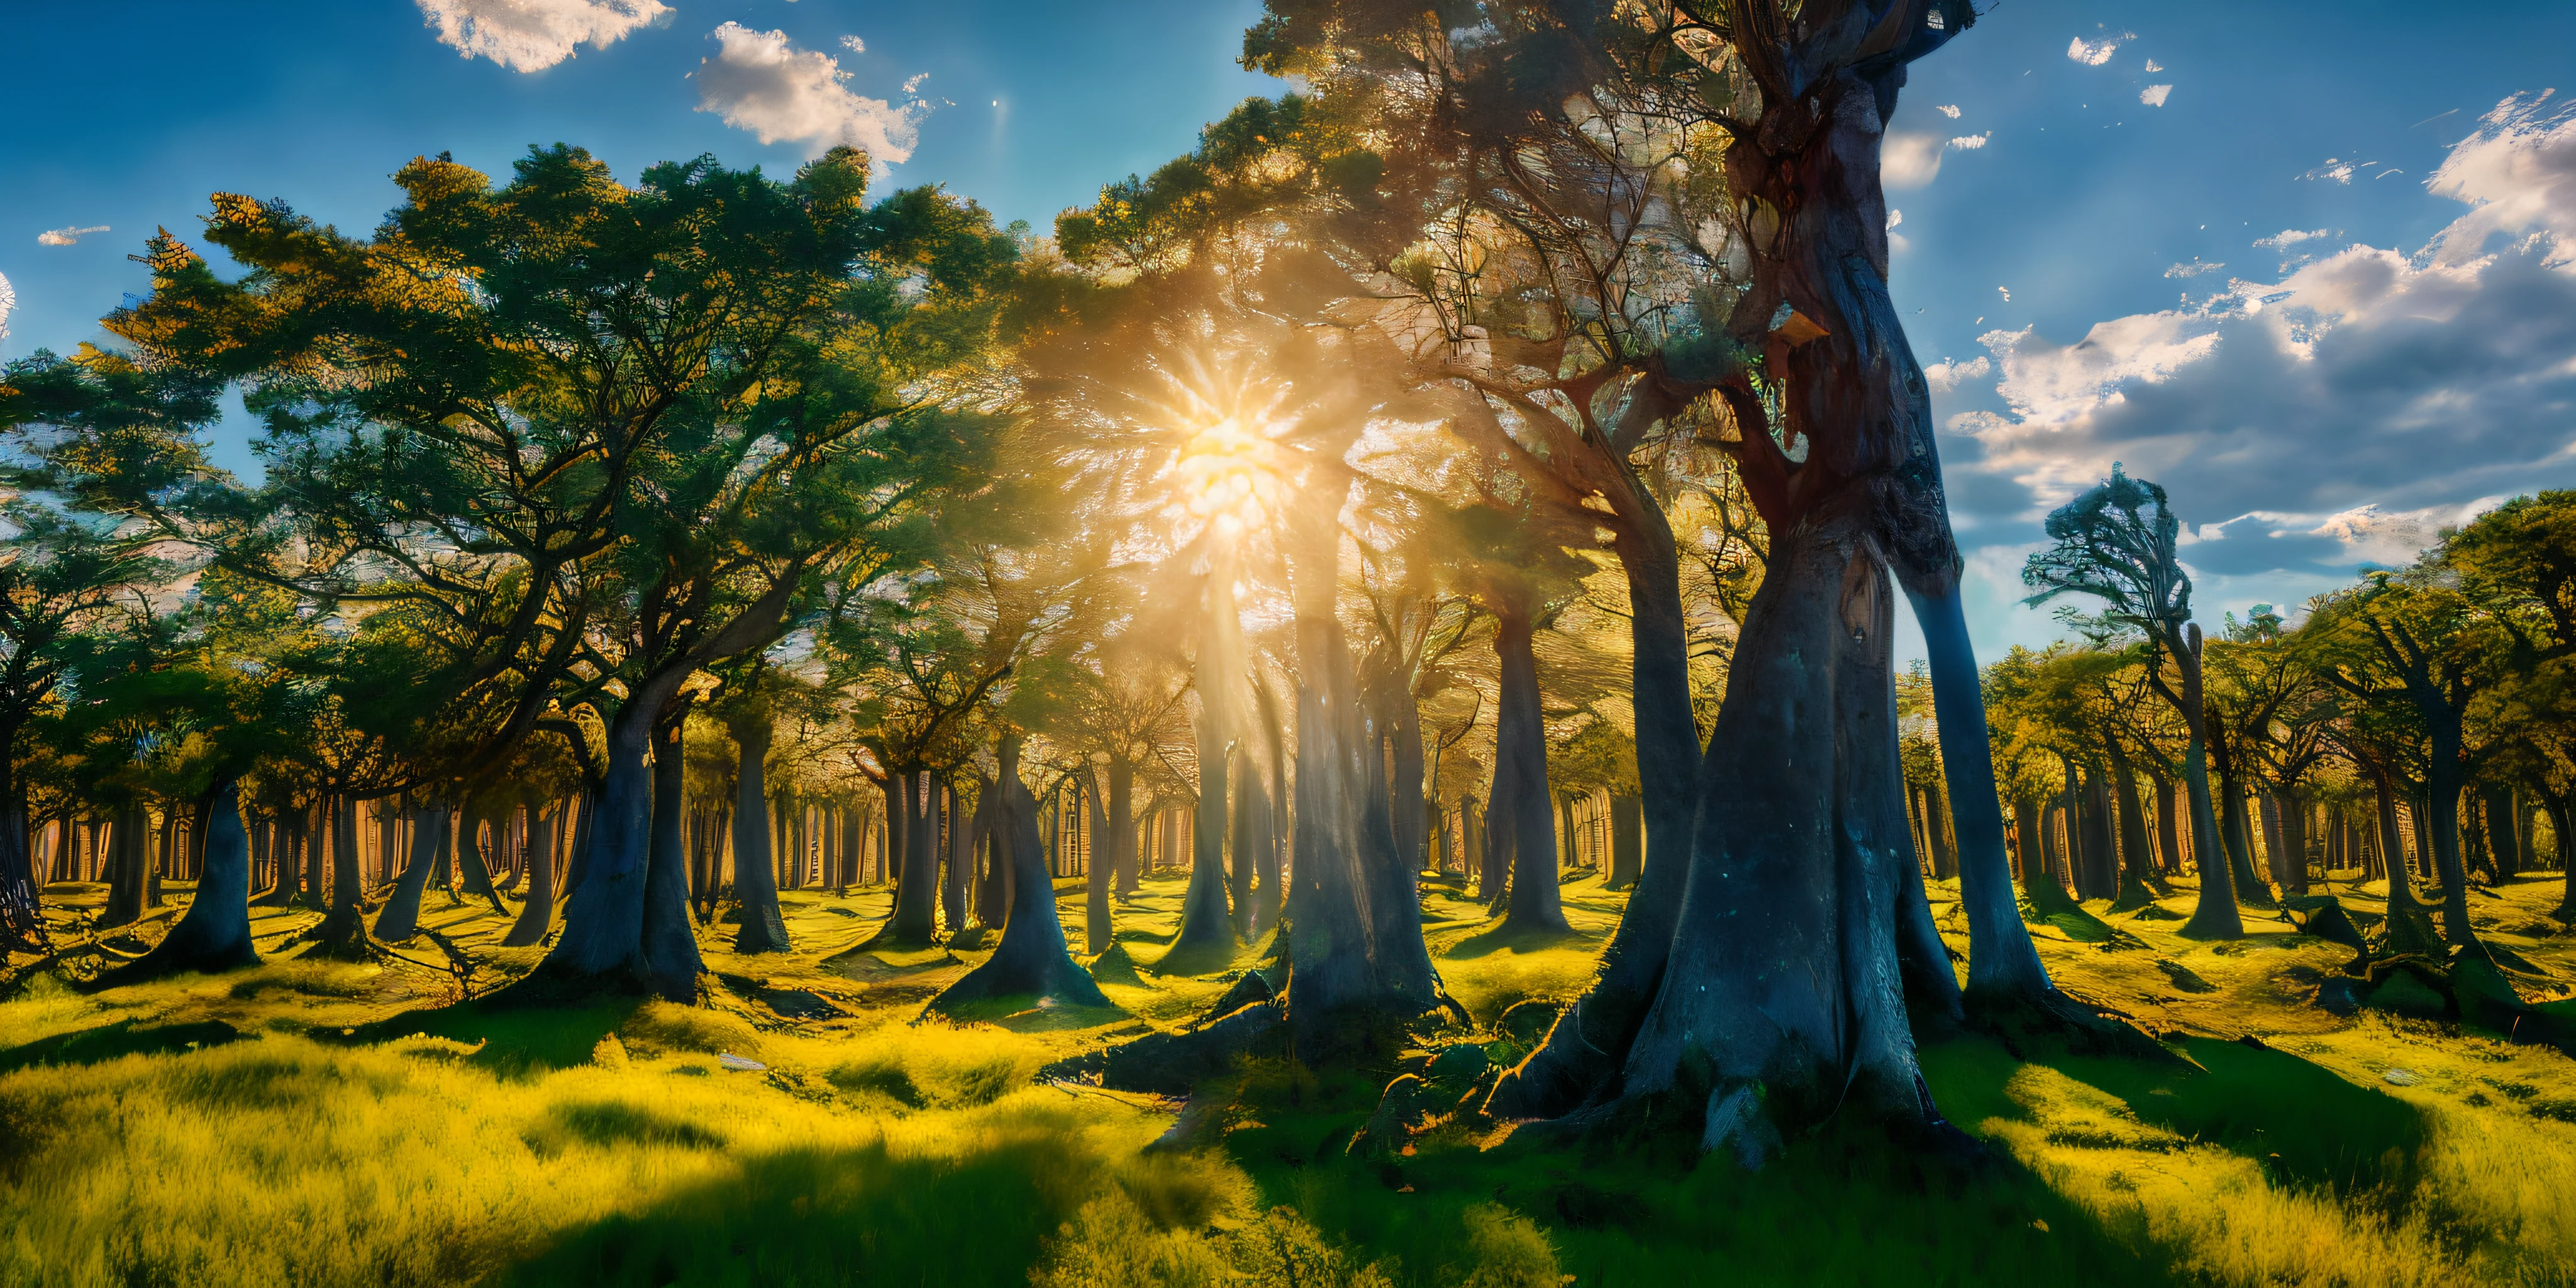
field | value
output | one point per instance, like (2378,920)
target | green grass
(270,1127)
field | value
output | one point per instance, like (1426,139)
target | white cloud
(2094,53)
(66,236)
(1947,375)
(854,44)
(2155,95)
(1950,110)
(8,304)
(1894,216)
(2153,67)
(2007,293)
(2194,268)
(2289,237)
(759,82)
(2519,171)
(2335,415)
(1910,160)
(532,35)
(1907,160)
(2336,169)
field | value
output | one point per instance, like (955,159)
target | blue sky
(2322,399)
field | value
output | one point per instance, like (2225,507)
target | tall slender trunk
(2137,868)
(127,857)
(1519,813)
(916,891)
(764,927)
(2214,915)
(537,915)
(1119,838)
(1206,923)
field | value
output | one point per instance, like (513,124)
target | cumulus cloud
(1911,160)
(2195,268)
(532,35)
(2288,237)
(2094,53)
(2155,95)
(66,236)
(1947,375)
(759,82)
(1950,110)
(2344,411)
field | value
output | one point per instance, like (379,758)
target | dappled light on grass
(608,1145)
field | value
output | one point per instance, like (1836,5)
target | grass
(267,1127)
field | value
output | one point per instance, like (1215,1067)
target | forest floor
(213,1130)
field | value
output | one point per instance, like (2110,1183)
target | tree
(2116,542)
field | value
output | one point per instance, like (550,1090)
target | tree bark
(1782,1000)
(2137,868)
(400,919)
(537,915)
(1519,816)
(764,927)
(343,932)
(1207,926)
(916,890)
(2214,914)
(1032,960)
(214,934)
(125,862)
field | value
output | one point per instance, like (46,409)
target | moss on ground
(270,1127)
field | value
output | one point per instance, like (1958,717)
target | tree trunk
(916,892)
(764,927)
(2213,915)
(1031,960)
(400,919)
(126,859)
(1519,814)
(2137,867)
(626,925)
(960,858)
(2168,844)
(214,934)
(1268,894)
(343,932)
(537,915)
(1207,927)
(1114,821)
(1781,1001)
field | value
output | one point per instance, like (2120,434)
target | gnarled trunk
(626,925)
(537,915)
(1782,1002)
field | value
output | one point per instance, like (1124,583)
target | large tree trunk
(916,891)
(400,919)
(1032,960)
(127,855)
(626,925)
(1782,1001)
(343,932)
(764,928)
(959,855)
(2504,835)
(214,934)
(1518,815)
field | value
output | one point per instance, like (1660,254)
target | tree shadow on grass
(517,1042)
(1846,1205)
(110,1041)
(859,1216)
(1521,940)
